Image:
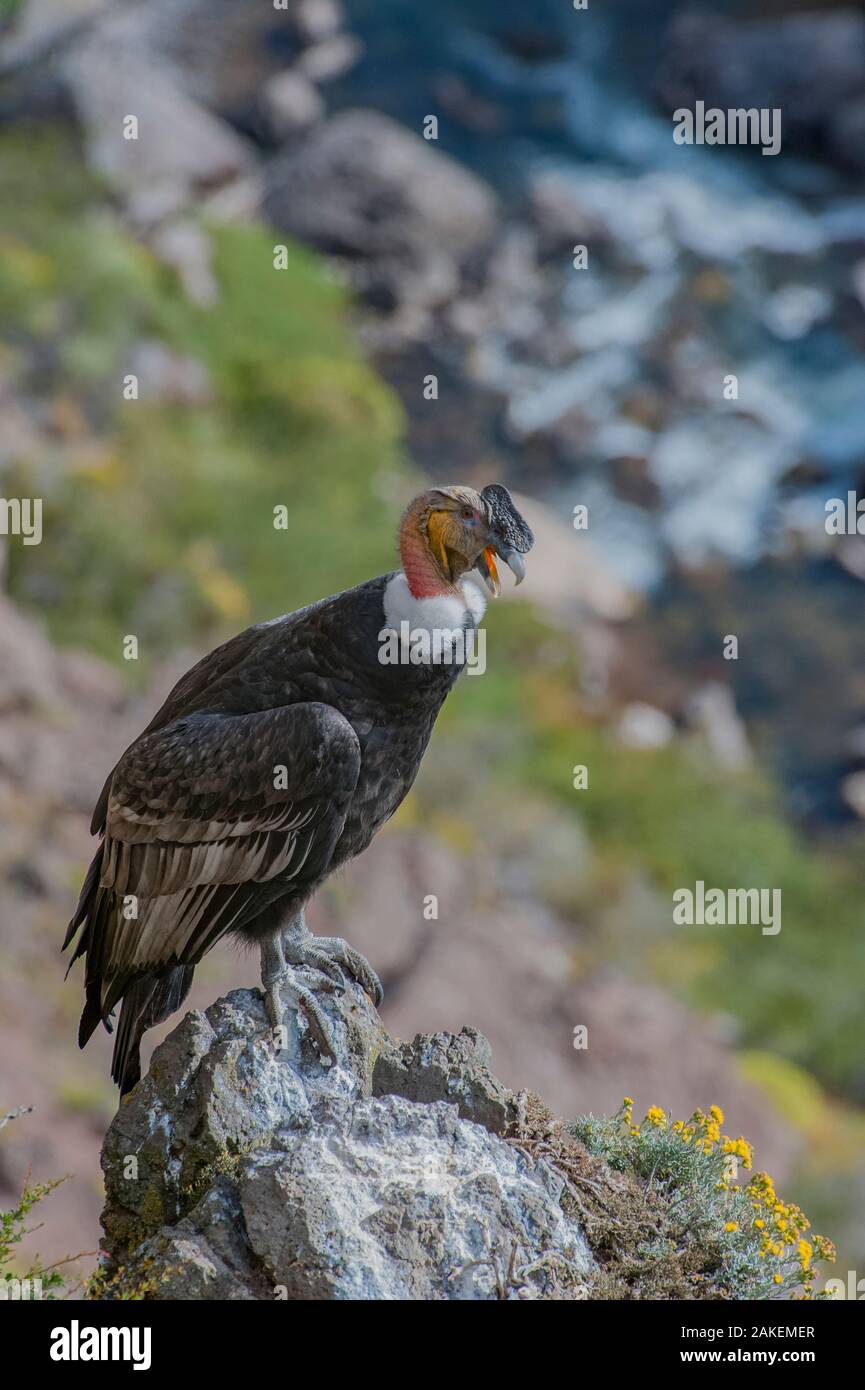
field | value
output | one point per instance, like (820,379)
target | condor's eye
(468,514)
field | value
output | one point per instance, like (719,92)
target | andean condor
(273,761)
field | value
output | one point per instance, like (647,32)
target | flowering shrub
(755,1244)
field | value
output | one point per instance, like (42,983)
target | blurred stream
(709,261)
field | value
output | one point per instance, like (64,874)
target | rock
(318,19)
(363,187)
(39,24)
(811,66)
(444,1067)
(167,376)
(185,246)
(324,61)
(569,574)
(291,103)
(218,52)
(853,792)
(263,1174)
(27,676)
(180,147)
(712,710)
(643,726)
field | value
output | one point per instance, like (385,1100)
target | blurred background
(303,387)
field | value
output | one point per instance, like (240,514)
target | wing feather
(208,820)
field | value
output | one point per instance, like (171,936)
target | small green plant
(13,1229)
(39,1281)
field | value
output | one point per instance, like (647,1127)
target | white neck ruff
(442,612)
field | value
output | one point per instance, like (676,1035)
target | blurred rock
(37,24)
(381,1176)
(812,66)
(569,574)
(712,710)
(238,201)
(365,188)
(290,103)
(185,246)
(179,147)
(27,674)
(218,51)
(853,792)
(643,726)
(331,58)
(166,376)
(318,19)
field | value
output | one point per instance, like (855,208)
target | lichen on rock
(238,1171)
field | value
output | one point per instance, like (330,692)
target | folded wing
(209,820)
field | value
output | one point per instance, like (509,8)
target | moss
(131,1283)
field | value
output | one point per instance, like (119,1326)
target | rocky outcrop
(239,1170)
(333,190)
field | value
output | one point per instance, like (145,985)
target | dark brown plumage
(272,762)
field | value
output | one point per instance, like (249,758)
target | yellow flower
(731,1226)
(717,1114)
(778,1279)
(656,1117)
(805,1253)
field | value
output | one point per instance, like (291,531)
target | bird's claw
(301,999)
(332,956)
(318,1025)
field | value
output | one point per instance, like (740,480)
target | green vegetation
(33,1281)
(153,509)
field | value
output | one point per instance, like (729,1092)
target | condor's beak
(489,573)
(486,565)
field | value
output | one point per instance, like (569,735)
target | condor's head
(450,530)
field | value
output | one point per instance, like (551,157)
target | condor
(272,762)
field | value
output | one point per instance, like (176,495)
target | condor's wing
(208,820)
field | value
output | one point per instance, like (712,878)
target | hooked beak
(486,566)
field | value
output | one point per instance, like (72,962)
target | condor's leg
(330,955)
(283,989)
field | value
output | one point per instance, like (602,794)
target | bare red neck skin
(421,572)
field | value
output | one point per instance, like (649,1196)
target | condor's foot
(331,956)
(283,989)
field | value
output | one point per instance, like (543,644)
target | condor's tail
(147,1002)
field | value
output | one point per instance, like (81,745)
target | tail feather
(88,891)
(147,1001)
